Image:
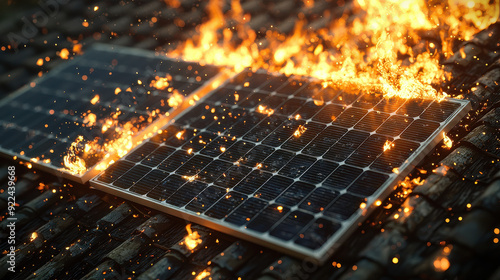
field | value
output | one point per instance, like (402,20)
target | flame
(448,143)
(300,130)
(373,53)
(192,240)
(443,169)
(381,52)
(161,83)
(202,275)
(64,53)
(179,134)
(74,163)
(264,110)
(190,178)
(388,145)
(175,99)
(120,145)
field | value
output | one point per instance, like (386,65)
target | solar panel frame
(161,121)
(267,238)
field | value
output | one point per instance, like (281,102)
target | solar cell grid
(43,119)
(260,157)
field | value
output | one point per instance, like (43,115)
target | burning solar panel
(94,96)
(282,161)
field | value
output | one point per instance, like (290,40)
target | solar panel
(281,161)
(41,120)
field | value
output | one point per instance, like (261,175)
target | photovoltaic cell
(44,118)
(261,157)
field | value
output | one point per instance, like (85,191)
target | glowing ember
(202,275)
(448,143)
(161,83)
(443,169)
(34,236)
(64,53)
(441,264)
(179,134)
(264,110)
(388,145)
(300,130)
(175,99)
(95,99)
(90,119)
(191,240)
(190,178)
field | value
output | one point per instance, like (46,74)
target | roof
(77,232)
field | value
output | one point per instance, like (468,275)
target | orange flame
(448,143)
(202,275)
(74,163)
(300,130)
(175,99)
(192,240)
(388,145)
(264,110)
(386,62)
(34,236)
(161,83)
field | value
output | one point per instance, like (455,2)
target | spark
(175,99)
(202,275)
(64,53)
(95,99)
(161,83)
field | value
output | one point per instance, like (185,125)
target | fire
(90,119)
(161,83)
(381,52)
(448,143)
(74,163)
(64,53)
(34,236)
(388,145)
(192,240)
(120,145)
(373,53)
(264,110)
(190,178)
(179,134)
(175,99)
(300,130)
(202,275)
